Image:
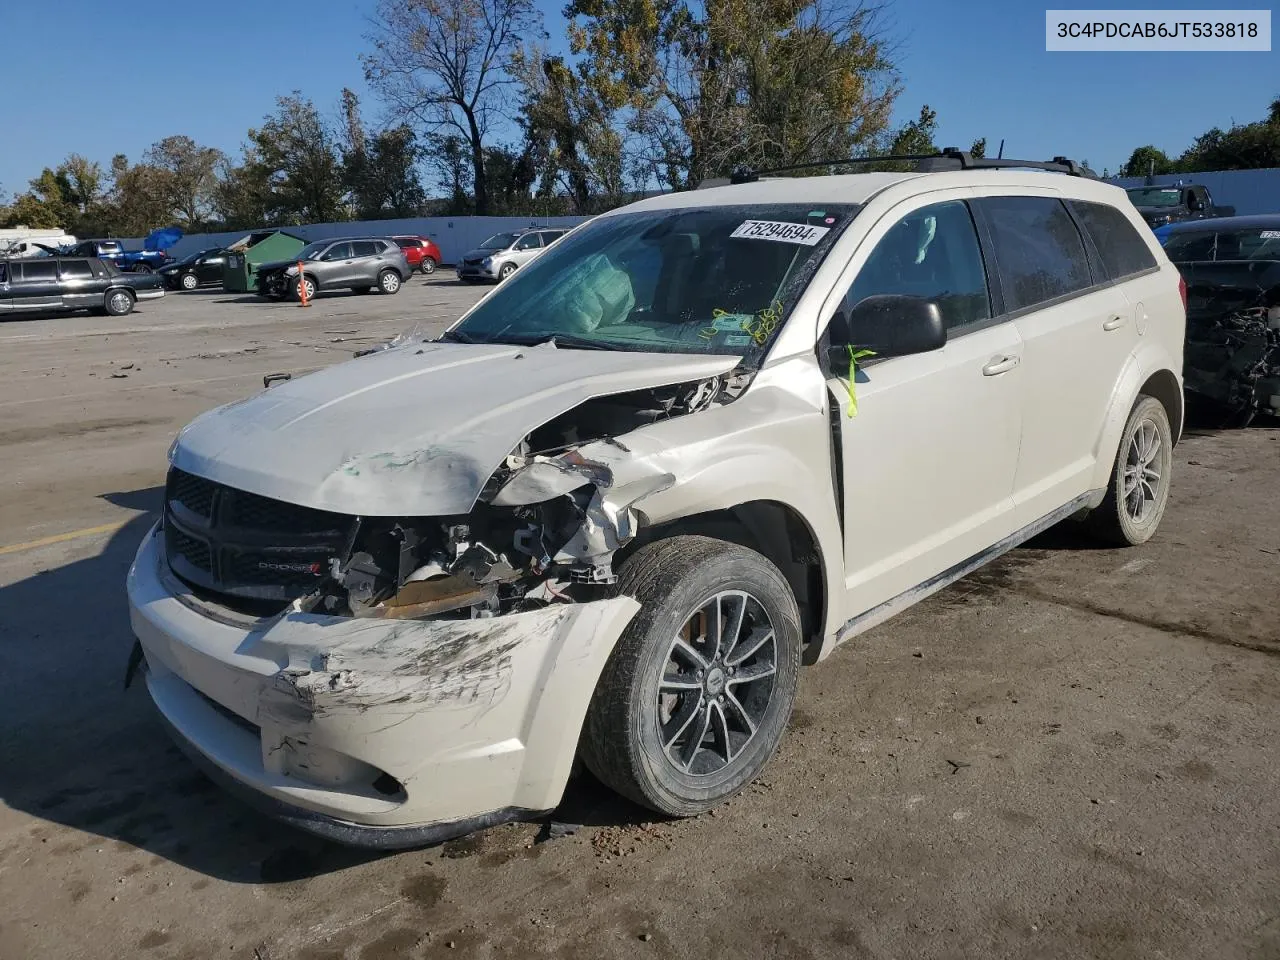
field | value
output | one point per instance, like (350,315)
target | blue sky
(211,70)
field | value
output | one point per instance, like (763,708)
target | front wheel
(305,284)
(1139,489)
(695,696)
(389,281)
(189,281)
(427,266)
(507,270)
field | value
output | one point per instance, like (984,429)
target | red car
(421,253)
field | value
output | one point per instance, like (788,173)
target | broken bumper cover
(374,732)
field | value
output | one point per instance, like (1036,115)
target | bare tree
(445,63)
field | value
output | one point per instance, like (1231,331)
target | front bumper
(381,733)
(476,271)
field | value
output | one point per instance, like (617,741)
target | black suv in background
(49,284)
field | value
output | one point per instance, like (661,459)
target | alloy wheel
(1140,489)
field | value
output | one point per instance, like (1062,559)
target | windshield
(499,241)
(701,280)
(312,250)
(1201,245)
(1154,197)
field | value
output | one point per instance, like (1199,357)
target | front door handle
(998,365)
(1115,322)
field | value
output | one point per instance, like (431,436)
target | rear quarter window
(1122,249)
(1038,250)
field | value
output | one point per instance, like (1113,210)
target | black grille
(244,545)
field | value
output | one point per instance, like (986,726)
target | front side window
(1038,249)
(718,280)
(530,241)
(338,251)
(311,251)
(932,253)
(1122,249)
(4,273)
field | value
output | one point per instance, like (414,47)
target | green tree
(450,158)
(298,155)
(242,195)
(570,135)
(381,172)
(978,148)
(446,65)
(709,87)
(1145,161)
(189,173)
(139,200)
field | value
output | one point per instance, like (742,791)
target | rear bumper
(150,294)
(376,733)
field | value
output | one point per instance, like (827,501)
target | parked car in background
(1171,204)
(53,284)
(196,270)
(504,253)
(99,249)
(420,253)
(702,439)
(1231,267)
(354,263)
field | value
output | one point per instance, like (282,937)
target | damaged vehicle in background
(1232,270)
(703,439)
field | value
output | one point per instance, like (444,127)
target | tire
(1132,508)
(311,288)
(625,737)
(142,268)
(189,281)
(361,289)
(118,303)
(427,266)
(389,282)
(507,270)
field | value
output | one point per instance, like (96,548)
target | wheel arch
(778,532)
(1164,386)
(1151,372)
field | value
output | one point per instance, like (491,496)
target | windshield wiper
(569,340)
(457,336)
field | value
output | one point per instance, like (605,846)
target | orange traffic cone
(302,288)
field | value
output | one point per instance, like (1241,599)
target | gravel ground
(1072,753)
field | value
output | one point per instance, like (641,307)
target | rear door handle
(1115,322)
(998,365)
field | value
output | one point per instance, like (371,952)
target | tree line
(1243,146)
(479,118)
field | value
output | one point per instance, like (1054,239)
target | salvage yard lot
(1075,752)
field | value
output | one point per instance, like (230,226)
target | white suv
(616,506)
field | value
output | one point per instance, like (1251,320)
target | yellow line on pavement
(63,537)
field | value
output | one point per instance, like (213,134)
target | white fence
(453,235)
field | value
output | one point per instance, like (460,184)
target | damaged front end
(545,529)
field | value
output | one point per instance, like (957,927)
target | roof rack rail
(950,158)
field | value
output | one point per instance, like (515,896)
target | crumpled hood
(276,265)
(412,431)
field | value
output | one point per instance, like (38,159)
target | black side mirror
(890,325)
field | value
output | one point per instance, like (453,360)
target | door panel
(210,269)
(6,303)
(929,460)
(1077,334)
(338,268)
(35,286)
(80,291)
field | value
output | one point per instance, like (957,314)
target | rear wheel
(142,268)
(695,697)
(118,303)
(389,281)
(1139,489)
(427,266)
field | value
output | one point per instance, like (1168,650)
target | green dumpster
(240,270)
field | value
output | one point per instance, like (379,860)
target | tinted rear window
(75,270)
(366,248)
(1121,247)
(34,271)
(1038,250)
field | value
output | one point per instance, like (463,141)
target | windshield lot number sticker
(1270,235)
(781,231)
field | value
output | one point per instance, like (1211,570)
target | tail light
(1182,291)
